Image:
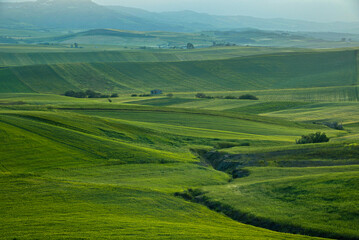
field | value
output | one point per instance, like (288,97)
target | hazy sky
(317,10)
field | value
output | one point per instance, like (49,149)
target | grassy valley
(177,166)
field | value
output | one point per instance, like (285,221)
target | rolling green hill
(178,167)
(81,176)
(275,71)
(23,55)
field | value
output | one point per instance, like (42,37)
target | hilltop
(85,14)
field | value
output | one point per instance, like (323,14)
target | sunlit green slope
(65,175)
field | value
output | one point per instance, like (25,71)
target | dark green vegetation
(313,138)
(176,166)
(242,97)
(88,94)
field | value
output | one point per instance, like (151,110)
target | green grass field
(75,168)
(105,177)
(288,196)
(275,71)
(22,55)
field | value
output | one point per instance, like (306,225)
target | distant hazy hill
(85,14)
(68,14)
(164,39)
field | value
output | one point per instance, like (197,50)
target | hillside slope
(30,55)
(83,177)
(275,71)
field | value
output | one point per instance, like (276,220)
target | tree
(190,46)
(91,94)
(80,95)
(313,138)
(70,93)
(114,95)
(248,97)
(230,97)
(200,95)
(170,95)
(76,45)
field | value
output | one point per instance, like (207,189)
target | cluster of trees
(190,46)
(242,97)
(75,45)
(223,44)
(89,94)
(149,95)
(313,138)
(141,95)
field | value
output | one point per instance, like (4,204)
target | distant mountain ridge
(85,14)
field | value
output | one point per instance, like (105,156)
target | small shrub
(92,94)
(170,95)
(201,95)
(248,97)
(114,95)
(334,125)
(313,138)
(80,95)
(134,95)
(221,145)
(230,97)
(87,94)
(70,93)
(244,144)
